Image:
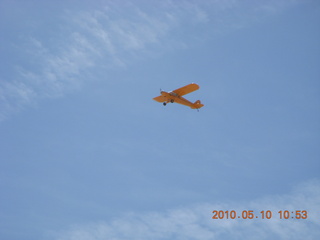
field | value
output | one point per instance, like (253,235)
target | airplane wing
(160,99)
(186,89)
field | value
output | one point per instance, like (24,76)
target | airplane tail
(197,104)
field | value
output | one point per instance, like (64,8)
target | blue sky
(85,153)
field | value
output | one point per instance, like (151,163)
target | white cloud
(195,222)
(111,36)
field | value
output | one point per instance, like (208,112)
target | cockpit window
(173,94)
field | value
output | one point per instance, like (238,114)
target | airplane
(176,96)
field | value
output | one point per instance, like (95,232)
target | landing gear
(165,103)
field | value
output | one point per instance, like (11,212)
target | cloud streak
(112,35)
(195,222)
(109,37)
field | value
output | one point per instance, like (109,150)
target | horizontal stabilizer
(197,104)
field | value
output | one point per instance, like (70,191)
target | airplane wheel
(164,103)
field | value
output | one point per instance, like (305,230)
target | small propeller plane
(176,96)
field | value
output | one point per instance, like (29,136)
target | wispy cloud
(195,222)
(107,37)
(112,35)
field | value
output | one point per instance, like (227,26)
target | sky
(86,154)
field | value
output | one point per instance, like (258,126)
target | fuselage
(173,97)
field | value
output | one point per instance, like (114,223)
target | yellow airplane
(176,96)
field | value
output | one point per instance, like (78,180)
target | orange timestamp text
(268,214)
